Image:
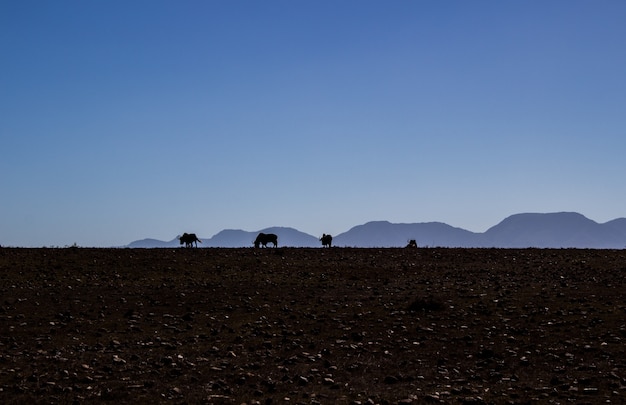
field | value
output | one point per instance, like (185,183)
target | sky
(124,120)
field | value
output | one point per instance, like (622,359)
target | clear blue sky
(121,120)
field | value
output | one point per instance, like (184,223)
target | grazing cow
(189,239)
(412,244)
(327,240)
(264,239)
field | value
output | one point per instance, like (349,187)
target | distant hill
(237,238)
(153,243)
(386,234)
(618,224)
(551,230)
(557,230)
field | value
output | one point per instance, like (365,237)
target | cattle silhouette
(189,239)
(264,239)
(326,240)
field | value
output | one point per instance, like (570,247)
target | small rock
(390,379)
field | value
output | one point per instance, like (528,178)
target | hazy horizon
(531,216)
(125,120)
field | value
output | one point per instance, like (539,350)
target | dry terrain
(302,326)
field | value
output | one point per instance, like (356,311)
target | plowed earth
(340,325)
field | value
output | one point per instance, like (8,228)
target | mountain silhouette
(549,230)
(386,234)
(618,224)
(557,230)
(239,238)
(231,238)
(153,243)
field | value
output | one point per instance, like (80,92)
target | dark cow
(412,244)
(189,239)
(264,239)
(327,240)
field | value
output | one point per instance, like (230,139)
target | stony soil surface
(346,326)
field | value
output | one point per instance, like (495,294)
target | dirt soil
(312,326)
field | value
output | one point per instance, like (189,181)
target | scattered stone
(390,379)
(359,326)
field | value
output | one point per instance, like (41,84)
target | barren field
(301,326)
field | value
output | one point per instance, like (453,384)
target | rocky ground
(346,326)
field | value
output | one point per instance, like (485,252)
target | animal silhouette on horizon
(264,239)
(412,244)
(326,240)
(189,239)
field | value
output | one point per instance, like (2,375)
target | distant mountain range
(551,230)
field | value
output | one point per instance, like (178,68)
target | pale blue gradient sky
(121,120)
